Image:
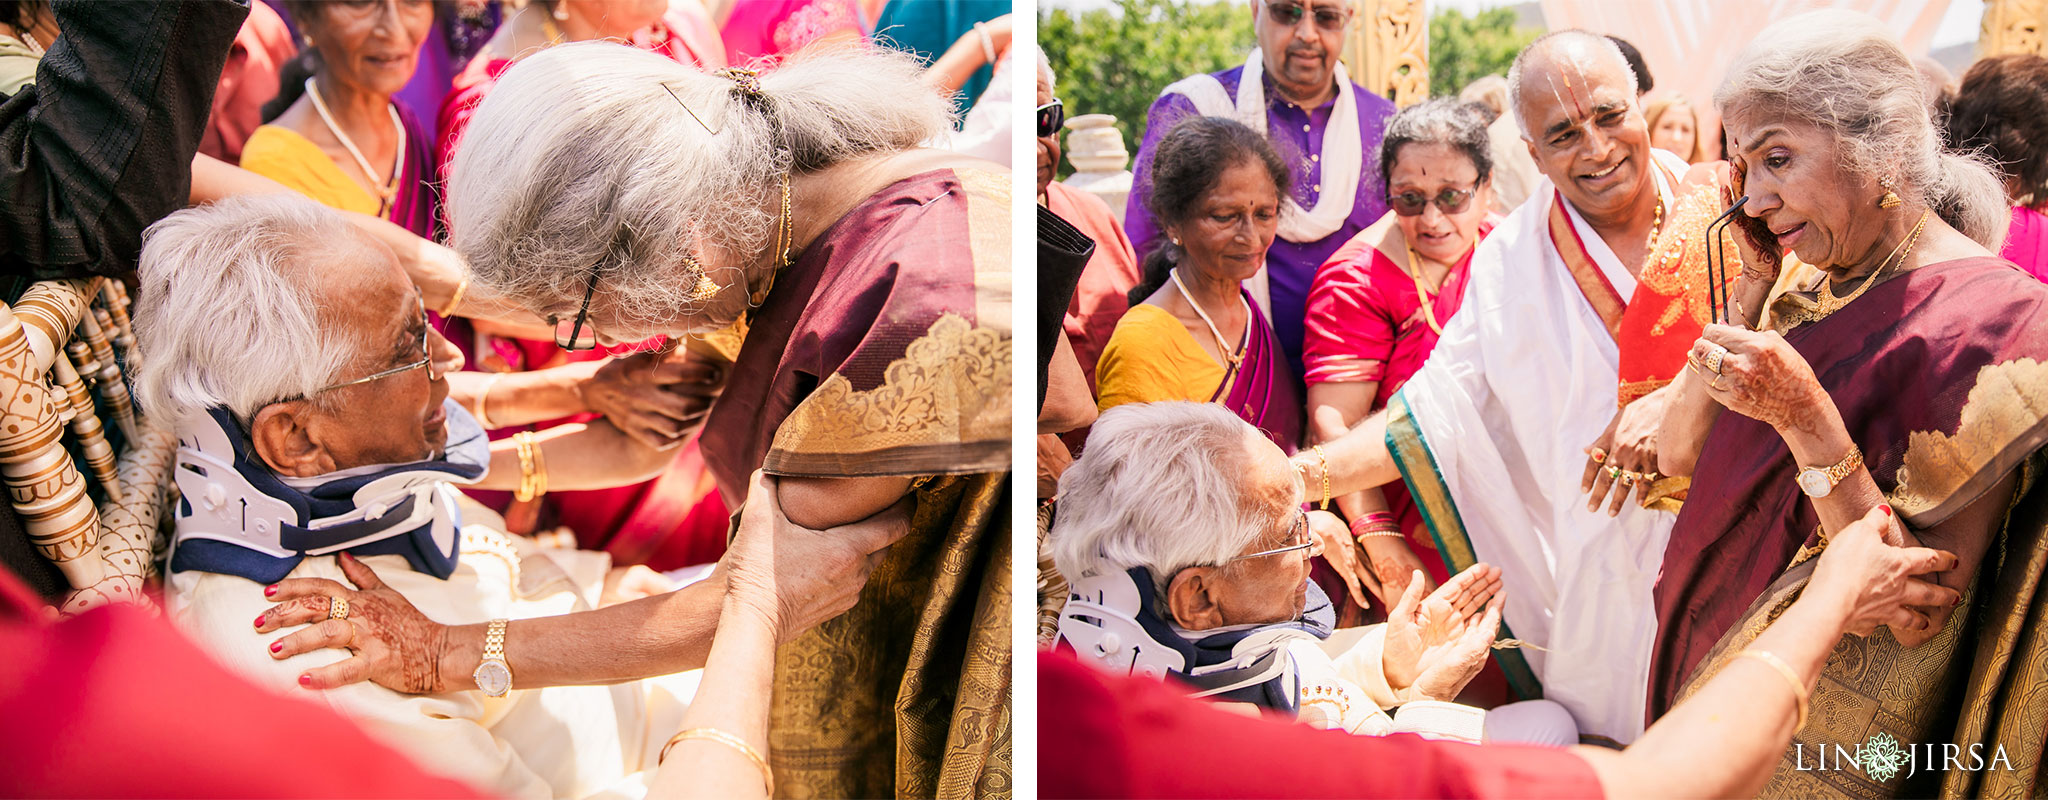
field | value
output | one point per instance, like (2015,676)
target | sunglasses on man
(1290,14)
(1051,117)
(1449,201)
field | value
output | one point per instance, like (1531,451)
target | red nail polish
(270,590)
(1886,509)
(259,620)
(306,681)
(276,646)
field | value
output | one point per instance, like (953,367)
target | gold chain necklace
(1656,225)
(1233,355)
(785,236)
(1428,297)
(1825,302)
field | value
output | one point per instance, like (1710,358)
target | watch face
(1815,483)
(493,678)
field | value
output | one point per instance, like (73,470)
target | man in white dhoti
(1491,434)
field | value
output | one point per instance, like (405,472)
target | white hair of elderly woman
(600,156)
(229,313)
(1159,485)
(1842,72)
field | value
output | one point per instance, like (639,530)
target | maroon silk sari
(1941,376)
(885,350)
(1262,389)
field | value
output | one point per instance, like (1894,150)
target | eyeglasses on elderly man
(1176,531)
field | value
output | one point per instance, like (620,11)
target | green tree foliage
(1463,49)
(1115,61)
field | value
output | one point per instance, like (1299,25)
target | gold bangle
(523,442)
(1378,534)
(729,740)
(483,400)
(1799,690)
(540,469)
(454,299)
(1325,506)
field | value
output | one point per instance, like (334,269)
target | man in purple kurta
(1327,128)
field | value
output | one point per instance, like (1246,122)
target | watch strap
(494,640)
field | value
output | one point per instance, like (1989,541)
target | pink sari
(1366,323)
(2026,243)
(770,29)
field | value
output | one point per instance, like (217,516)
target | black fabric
(102,145)
(1063,251)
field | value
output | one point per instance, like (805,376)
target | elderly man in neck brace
(1182,533)
(315,434)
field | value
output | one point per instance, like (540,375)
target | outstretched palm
(1438,643)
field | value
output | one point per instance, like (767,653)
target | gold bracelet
(1325,506)
(1799,690)
(454,300)
(1377,534)
(523,442)
(540,469)
(483,399)
(729,740)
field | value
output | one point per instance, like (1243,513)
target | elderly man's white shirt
(568,741)
(1523,379)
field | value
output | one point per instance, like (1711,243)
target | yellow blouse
(283,155)
(1152,357)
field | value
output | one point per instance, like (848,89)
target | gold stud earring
(1890,200)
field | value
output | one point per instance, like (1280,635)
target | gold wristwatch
(1819,482)
(493,676)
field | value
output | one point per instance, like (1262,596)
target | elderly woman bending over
(1183,535)
(1907,375)
(859,287)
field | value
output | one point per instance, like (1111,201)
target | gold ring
(1713,360)
(1614,472)
(1651,476)
(337,608)
(351,635)
(1599,456)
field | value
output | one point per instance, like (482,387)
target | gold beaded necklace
(1825,302)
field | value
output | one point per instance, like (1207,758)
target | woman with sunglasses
(1375,312)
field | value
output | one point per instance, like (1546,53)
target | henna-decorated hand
(395,646)
(1761,377)
(658,397)
(1762,256)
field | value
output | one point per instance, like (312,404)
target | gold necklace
(1428,298)
(1825,302)
(1222,344)
(785,236)
(1655,225)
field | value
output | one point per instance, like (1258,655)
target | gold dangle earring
(1890,200)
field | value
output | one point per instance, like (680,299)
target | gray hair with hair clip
(569,166)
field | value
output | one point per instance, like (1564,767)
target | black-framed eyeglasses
(1298,538)
(1050,117)
(426,358)
(1449,201)
(1290,15)
(573,336)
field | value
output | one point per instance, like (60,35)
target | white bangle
(988,44)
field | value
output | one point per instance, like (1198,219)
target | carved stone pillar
(2014,26)
(1388,51)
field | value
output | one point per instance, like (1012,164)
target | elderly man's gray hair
(1159,485)
(229,313)
(1553,41)
(599,156)
(1842,72)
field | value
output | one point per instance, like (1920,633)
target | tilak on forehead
(1578,105)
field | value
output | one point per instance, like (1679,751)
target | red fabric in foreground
(1107,736)
(114,703)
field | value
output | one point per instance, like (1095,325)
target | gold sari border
(968,458)
(1440,514)
(1592,283)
